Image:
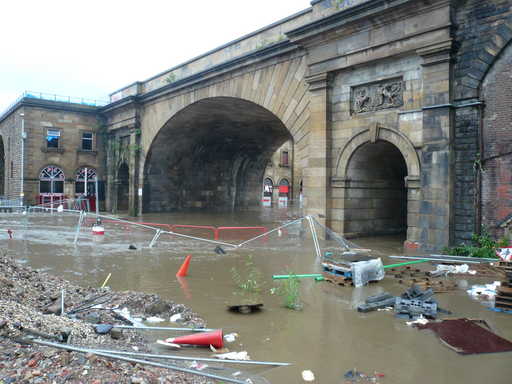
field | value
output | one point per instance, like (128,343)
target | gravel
(30,305)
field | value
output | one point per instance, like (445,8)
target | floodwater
(328,336)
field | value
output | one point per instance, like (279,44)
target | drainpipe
(22,192)
(478,199)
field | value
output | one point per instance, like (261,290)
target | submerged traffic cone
(214,338)
(182,272)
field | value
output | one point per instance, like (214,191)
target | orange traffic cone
(214,338)
(182,272)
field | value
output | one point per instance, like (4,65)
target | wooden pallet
(337,279)
(438,286)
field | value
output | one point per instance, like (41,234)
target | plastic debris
(366,271)
(230,337)
(420,320)
(219,251)
(243,355)
(442,269)
(174,318)
(308,375)
(103,329)
(504,254)
(154,319)
(485,291)
(199,366)
(357,377)
(168,344)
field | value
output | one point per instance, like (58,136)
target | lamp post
(23,136)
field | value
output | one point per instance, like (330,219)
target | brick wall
(497,139)
(482,31)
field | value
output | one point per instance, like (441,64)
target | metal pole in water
(174,357)
(140,361)
(144,328)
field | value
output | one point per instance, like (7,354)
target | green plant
(171,78)
(290,291)
(251,280)
(483,245)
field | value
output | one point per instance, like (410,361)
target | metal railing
(55,97)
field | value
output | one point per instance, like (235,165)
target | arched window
(51,180)
(84,181)
(268,186)
(284,187)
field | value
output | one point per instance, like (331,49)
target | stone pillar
(317,173)
(133,166)
(109,176)
(436,205)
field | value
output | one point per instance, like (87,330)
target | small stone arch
(371,135)
(362,204)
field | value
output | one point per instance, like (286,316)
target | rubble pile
(30,306)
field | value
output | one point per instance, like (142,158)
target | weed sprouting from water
(251,281)
(290,291)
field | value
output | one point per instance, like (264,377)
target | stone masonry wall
(10,130)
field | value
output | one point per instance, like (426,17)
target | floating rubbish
(182,272)
(132,247)
(246,308)
(198,366)
(106,280)
(10,233)
(243,355)
(230,337)
(154,319)
(214,338)
(466,336)
(357,377)
(486,291)
(219,251)
(307,375)
(168,345)
(420,320)
(175,318)
(443,270)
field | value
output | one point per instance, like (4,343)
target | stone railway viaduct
(389,103)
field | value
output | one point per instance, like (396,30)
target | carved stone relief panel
(376,96)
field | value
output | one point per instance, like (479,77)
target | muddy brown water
(328,336)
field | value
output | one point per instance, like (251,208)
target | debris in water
(243,355)
(307,375)
(357,377)
(132,246)
(175,318)
(219,251)
(246,308)
(230,337)
(165,343)
(103,329)
(420,320)
(466,337)
(154,319)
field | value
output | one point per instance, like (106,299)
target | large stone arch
(211,154)
(279,87)
(496,151)
(364,206)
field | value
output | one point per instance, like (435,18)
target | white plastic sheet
(365,271)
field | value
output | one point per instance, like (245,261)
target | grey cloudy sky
(92,48)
